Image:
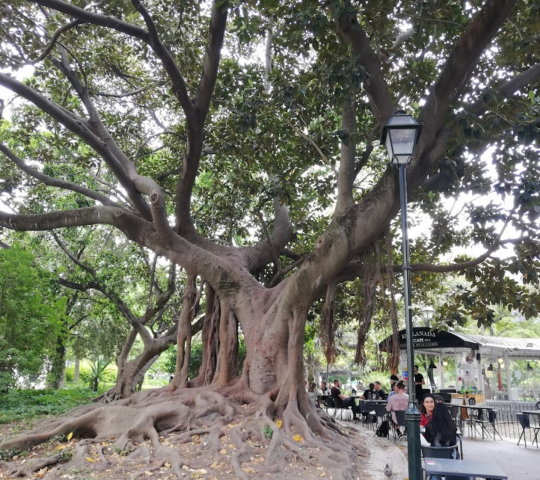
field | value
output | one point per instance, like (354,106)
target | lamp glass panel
(402,140)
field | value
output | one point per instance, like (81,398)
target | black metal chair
(484,422)
(525,423)
(537,405)
(399,423)
(441,452)
(365,412)
(380,412)
(338,407)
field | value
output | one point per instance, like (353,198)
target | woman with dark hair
(441,431)
(426,410)
(312,393)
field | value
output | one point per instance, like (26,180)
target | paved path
(519,463)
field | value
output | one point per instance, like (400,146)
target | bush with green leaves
(31,312)
(24,404)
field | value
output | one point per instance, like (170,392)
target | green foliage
(31,315)
(26,404)
(268,432)
(98,371)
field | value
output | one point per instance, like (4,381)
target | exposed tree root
(241,433)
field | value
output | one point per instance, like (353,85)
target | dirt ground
(102,462)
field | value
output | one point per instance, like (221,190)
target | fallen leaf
(248,470)
(61,447)
(323,474)
(298,438)
(90,459)
(148,473)
(70,436)
(222,451)
(279,423)
(214,465)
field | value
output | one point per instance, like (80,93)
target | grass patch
(26,404)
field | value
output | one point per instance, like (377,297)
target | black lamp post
(400,136)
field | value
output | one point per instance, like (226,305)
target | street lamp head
(428,313)
(400,136)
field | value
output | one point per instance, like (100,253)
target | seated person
(370,393)
(324,389)
(393,380)
(426,410)
(441,431)
(398,402)
(342,401)
(312,393)
(380,391)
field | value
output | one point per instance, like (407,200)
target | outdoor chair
(454,411)
(400,419)
(472,401)
(330,403)
(484,422)
(537,405)
(525,423)
(441,452)
(365,412)
(380,412)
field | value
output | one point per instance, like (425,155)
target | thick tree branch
(262,253)
(459,67)
(509,88)
(84,133)
(120,95)
(374,82)
(216,33)
(54,39)
(95,18)
(190,162)
(55,182)
(345,179)
(179,84)
(267,235)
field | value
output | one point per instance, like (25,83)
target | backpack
(382,431)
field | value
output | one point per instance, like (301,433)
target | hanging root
(161,430)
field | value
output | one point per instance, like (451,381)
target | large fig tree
(219,135)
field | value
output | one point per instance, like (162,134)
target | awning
(441,342)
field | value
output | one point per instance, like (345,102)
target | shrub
(24,404)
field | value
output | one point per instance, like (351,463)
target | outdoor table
(473,407)
(534,413)
(464,468)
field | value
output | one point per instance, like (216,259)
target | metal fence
(506,421)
